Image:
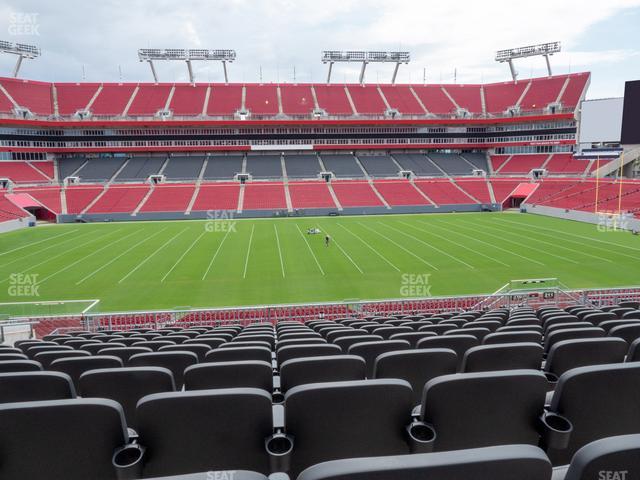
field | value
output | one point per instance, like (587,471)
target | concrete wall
(11,225)
(307,212)
(579,216)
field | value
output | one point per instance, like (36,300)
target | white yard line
(520,242)
(577,236)
(120,256)
(555,245)
(310,251)
(608,250)
(475,252)
(36,243)
(246,261)
(333,240)
(453,257)
(279,250)
(369,247)
(47,248)
(67,267)
(399,246)
(182,256)
(152,255)
(475,239)
(66,252)
(213,259)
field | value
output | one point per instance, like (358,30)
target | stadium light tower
(333,56)
(21,50)
(544,49)
(186,55)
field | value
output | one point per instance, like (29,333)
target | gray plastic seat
(503,356)
(524,336)
(609,456)
(571,334)
(239,354)
(76,366)
(20,366)
(5,357)
(332,368)
(633,355)
(126,386)
(371,350)
(413,337)
(386,331)
(199,349)
(471,410)
(247,374)
(46,358)
(298,351)
(35,386)
(628,333)
(600,401)
(176,362)
(205,430)
(512,462)
(345,342)
(416,367)
(458,343)
(123,353)
(330,421)
(71,439)
(569,354)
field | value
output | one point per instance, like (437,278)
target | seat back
(609,456)
(330,421)
(512,462)
(246,374)
(126,386)
(287,353)
(71,439)
(600,401)
(205,430)
(76,366)
(416,367)
(504,356)
(333,368)
(35,386)
(20,366)
(370,351)
(239,354)
(458,343)
(583,352)
(176,362)
(471,410)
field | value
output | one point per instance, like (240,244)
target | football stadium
(239,277)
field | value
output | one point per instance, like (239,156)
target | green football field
(167,265)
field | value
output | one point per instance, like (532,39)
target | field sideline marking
(453,257)
(510,252)
(458,244)
(182,256)
(246,261)
(544,252)
(345,253)
(529,225)
(524,245)
(35,243)
(400,246)
(83,258)
(58,255)
(279,251)
(152,255)
(216,254)
(369,247)
(121,255)
(311,251)
(566,248)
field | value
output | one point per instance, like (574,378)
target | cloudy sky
(454,40)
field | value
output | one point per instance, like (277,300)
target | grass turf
(166,265)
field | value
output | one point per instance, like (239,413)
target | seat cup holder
(421,437)
(127,461)
(279,447)
(556,430)
(277,398)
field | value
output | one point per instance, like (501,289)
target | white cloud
(280,34)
